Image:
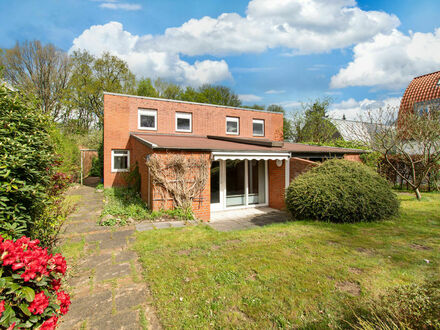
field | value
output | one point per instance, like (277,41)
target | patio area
(246,218)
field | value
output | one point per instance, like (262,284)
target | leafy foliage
(341,191)
(124,204)
(30,282)
(26,163)
(414,306)
(312,124)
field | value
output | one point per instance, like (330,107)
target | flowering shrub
(30,283)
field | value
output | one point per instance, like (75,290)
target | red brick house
(250,165)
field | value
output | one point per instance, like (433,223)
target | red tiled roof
(422,88)
(193,142)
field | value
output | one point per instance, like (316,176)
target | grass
(124,204)
(299,274)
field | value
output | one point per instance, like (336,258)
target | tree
(411,149)
(312,124)
(288,134)
(215,94)
(168,90)
(146,88)
(91,77)
(43,71)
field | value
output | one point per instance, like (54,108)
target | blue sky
(362,54)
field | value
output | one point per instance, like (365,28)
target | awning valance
(217,155)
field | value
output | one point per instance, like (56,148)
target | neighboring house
(250,165)
(352,130)
(421,95)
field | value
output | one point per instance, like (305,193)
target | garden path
(105,280)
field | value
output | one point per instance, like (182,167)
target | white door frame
(222,205)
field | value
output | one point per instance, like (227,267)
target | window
(183,122)
(120,160)
(147,119)
(232,125)
(438,83)
(258,127)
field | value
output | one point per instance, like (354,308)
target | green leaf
(24,308)
(28,293)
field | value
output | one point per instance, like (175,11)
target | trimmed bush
(341,191)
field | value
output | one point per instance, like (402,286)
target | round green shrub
(341,191)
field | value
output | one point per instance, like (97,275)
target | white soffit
(249,155)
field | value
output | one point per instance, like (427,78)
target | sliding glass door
(256,182)
(235,183)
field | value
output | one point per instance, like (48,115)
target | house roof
(211,143)
(421,89)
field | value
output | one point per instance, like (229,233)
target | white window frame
(258,121)
(184,115)
(115,153)
(235,120)
(147,112)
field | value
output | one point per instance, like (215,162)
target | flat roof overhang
(230,145)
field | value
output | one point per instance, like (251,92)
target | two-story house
(250,165)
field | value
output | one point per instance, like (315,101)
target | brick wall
(277,185)
(353,158)
(299,166)
(121,115)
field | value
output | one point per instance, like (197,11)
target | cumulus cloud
(250,97)
(123,6)
(296,26)
(391,61)
(312,26)
(356,110)
(146,61)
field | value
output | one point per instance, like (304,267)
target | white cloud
(123,6)
(297,26)
(275,91)
(391,61)
(355,110)
(250,97)
(311,26)
(146,61)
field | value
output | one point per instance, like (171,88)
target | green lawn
(298,274)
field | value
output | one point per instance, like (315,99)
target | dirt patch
(352,288)
(215,247)
(355,270)
(420,247)
(368,252)
(186,252)
(252,276)
(332,243)
(233,241)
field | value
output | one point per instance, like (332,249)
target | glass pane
(215,182)
(183,124)
(232,127)
(235,190)
(120,162)
(257,173)
(258,128)
(147,121)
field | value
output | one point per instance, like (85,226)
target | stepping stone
(108,272)
(144,226)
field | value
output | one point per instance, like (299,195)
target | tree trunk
(419,196)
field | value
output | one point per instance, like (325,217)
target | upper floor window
(232,125)
(120,160)
(438,83)
(258,127)
(183,122)
(147,119)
